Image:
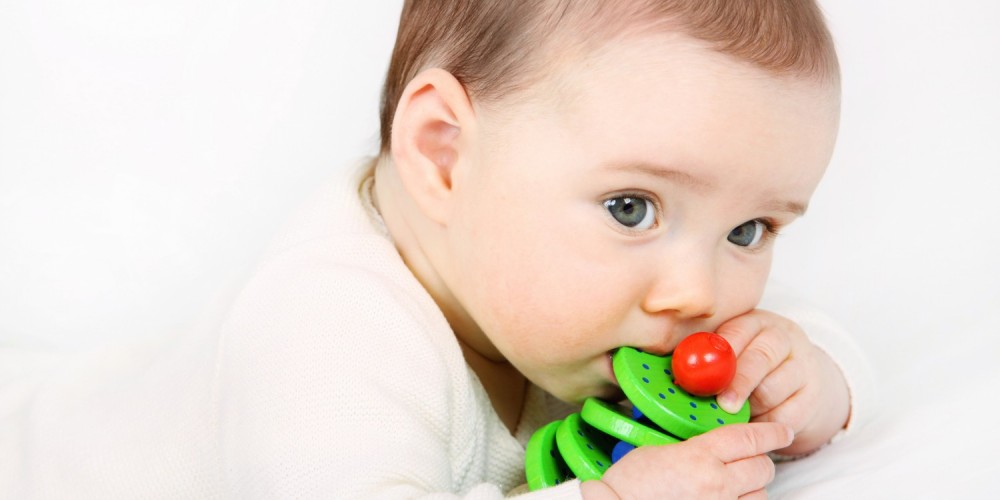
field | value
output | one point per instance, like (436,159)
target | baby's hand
(787,378)
(727,462)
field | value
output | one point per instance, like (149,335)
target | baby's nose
(687,291)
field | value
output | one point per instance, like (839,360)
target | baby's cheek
(540,296)
(741,291)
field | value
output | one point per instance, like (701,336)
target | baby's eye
(748,234)
(633,212)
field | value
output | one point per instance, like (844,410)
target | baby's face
(633,207)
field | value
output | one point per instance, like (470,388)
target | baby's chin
(613,394)
(577,395)
(573,384)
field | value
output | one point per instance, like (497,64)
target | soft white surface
(935,437)
(147,151)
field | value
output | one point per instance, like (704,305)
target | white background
(149,149)
(902,238)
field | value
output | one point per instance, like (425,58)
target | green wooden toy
(581,444)
(648,383)
(543,465)
(586,450)
(616,421)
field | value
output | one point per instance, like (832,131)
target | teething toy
(585,445)
(647,382)
(704,364)
(543,465)
(586,451)
(619,422)
(620,450)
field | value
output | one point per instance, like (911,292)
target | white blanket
(936,433)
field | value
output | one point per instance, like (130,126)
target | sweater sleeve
(327,388)
(826,334)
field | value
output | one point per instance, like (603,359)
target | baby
(557,179)
(564,178)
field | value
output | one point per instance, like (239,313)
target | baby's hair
(496,48)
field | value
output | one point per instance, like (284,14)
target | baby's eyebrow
(794,207)
(670,174)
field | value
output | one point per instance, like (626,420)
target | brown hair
(495,47)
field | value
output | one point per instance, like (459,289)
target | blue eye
(747,234)
(632,212)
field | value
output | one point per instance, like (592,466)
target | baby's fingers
(777,387)
(751,474)
(742,449)
(758,354)
(737,442)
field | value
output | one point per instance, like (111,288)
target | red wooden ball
(704,364)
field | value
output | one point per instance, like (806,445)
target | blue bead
(620,450)
(636,413)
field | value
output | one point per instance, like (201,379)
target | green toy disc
(543,466)
(616,420)
(648,383)
(586,451)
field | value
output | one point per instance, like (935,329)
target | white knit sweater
(332,374)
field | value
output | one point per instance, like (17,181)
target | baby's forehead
(671,110)
(585,76)
(675,75)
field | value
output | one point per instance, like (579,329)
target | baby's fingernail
(729,401)
(791,435)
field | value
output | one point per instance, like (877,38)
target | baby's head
(568,177)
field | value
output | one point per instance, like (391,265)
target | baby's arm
(800,370)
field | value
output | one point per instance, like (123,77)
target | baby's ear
(429,131)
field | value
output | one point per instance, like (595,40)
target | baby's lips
(611,369)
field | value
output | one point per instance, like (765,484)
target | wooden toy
(704,364)
(582,444)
